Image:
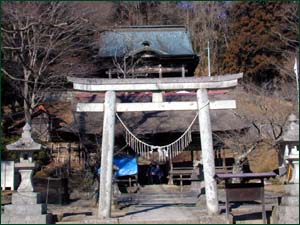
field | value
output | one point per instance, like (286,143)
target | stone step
(251,208)
(250,214)
(292,189)
(153,215)
(22,219)
(166,203)
(203,220)
(253,221)
(26,198)
(291,214)
(33,210)
(164,197)
(285,215)
(162,201)
(92,220)
(180,219)
(161,192)
(166,191)
(290,201)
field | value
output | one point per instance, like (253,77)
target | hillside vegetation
(43,42)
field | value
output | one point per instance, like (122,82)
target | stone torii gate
(156,85)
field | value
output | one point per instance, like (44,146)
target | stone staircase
(157,204)
(162,204)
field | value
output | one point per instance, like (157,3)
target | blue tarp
(127,166)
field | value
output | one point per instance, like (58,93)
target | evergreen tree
(255,48)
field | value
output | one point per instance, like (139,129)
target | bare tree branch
(37,38)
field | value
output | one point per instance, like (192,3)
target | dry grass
(266,113)
(263,159)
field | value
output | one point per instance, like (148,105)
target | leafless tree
(242,143)
(266,117)
(125,66)
(288,33)
(209,22)
(137,12)
(267,113)
(38,41)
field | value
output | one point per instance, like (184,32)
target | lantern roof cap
(291,132)
(25,143)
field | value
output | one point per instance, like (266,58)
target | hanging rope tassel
(173,149)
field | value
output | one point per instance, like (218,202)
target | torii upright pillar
(108,136)
(207,152)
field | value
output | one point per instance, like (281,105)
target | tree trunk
(27,113)
(27,108)
(237,168)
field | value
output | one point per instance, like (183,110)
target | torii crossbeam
(156,85)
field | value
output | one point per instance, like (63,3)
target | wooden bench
(128,179)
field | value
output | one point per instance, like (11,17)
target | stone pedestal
(287,212)
(291,189)
(26,208)
(26,182)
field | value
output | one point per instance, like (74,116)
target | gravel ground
(159,204)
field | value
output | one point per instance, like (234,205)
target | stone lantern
(289,152)
(26,205)
(25,146)
(287,211)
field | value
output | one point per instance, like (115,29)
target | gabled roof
(163,40)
